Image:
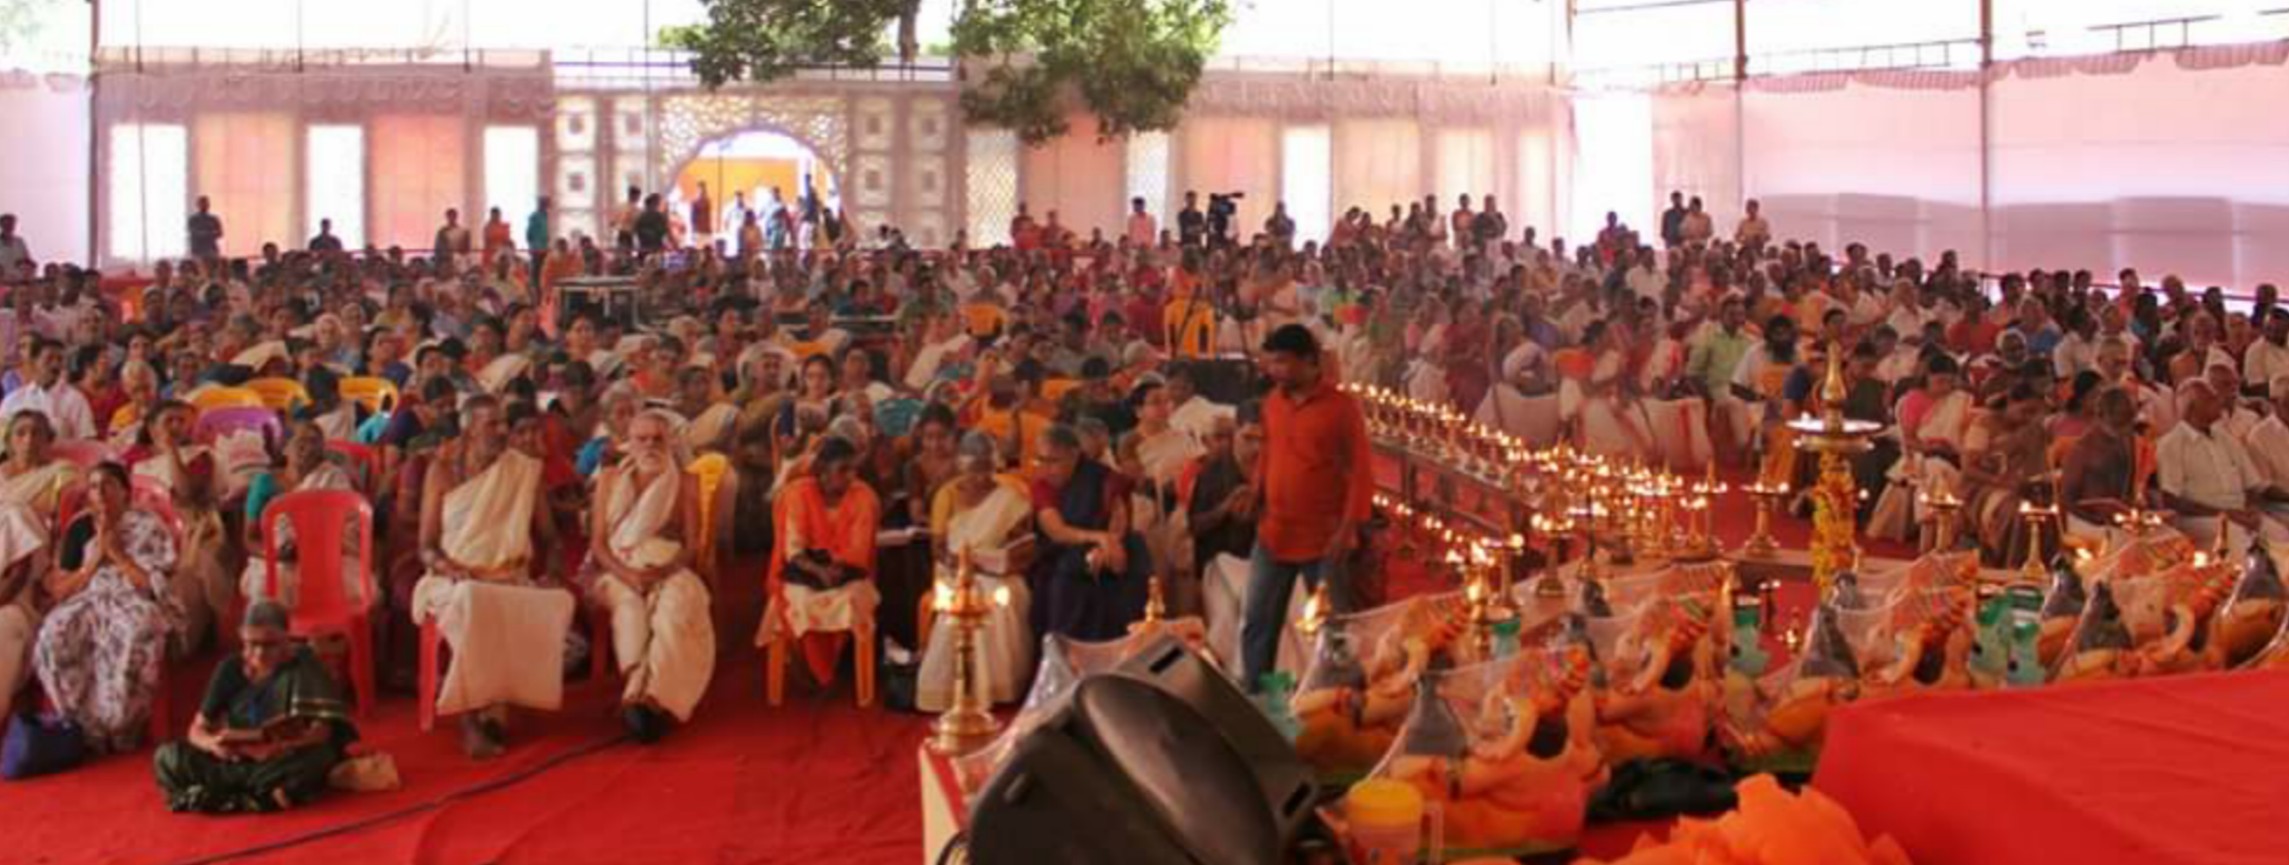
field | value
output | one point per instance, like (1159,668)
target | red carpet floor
(816,780)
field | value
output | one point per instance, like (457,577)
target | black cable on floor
(477,789)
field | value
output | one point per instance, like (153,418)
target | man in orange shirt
(1317,487)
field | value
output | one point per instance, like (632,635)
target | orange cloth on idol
(844,531)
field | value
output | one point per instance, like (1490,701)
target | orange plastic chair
(279,394)
(319,605)
(377,394)
(777,651)
(213,398)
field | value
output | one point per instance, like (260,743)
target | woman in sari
(1613,422)
(99,651)
(30,481)
(1162,450)
(1092,576)
(270,729)
(1468,368)
(932,462)
(1427,344)
(708,418)
(304,467)
(170,456)
(1934,422)
(2004,452)
(984,518)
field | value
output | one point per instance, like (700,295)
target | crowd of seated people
(732,470)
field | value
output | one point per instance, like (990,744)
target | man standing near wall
(537,239)
(13,252)
(206,233)
(1318,489)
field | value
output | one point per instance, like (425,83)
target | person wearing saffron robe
(1091,578)
(821,582)
(270,729)
(646,508)
(986,517)
(30,480)
(482,518)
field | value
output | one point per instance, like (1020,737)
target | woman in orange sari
(821,584)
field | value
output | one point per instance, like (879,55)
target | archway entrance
(754,169)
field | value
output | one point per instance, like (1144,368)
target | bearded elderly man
(2208,478)
(646,513)
(481,518)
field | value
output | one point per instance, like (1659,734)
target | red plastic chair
(425,693)
(85,453)
(319,605)
(364,460)
(217,423)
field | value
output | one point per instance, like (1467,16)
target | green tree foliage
(762,40)
(1133,63)
(1026,63)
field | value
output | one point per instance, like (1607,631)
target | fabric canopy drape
(1378,163)
(1081,178)
(1232,154)
(418,171)
(248,125)
(244,164)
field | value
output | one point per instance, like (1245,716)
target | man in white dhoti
(481,516)
(2208,478)
(662,633)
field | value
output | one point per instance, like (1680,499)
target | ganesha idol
(1505,752)
(1909,630)
(2067,596)
(1362,680)
(1779,722)
(1661,681)
(2187,616)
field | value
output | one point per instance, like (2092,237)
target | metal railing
(2150,35)
(1937,54)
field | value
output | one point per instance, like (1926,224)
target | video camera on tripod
(1222,207)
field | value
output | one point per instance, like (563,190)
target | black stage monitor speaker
(1159,763)
(1226,380)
